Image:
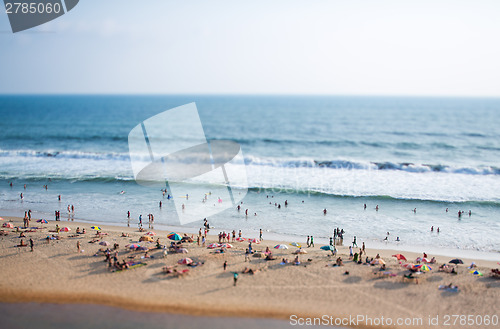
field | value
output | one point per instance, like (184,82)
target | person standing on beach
(225,265)
(308,244)
(247,255)
(354,242)
(32,244)
(78,247)
(331,241)
(363,248)
(312,241)
(260,235)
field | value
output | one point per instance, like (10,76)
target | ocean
(315,152)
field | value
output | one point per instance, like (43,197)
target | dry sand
(56,272)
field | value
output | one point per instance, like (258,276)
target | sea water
(315,152)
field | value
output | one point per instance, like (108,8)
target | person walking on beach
(247,255)
(78,247)
(225,265)
(235,278)
(331,241)
(32,244)
(354,242)
(363,247)
(308,244)
(312,241)
(260,234)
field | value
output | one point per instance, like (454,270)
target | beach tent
(257,241)
(399,257)
(65,229)
(327,248)
(240,239)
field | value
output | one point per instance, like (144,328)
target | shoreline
(308,283)
(475,255)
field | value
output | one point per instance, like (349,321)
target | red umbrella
(65,229)
(8,225)
(240,239)
(185,261)
(399,257)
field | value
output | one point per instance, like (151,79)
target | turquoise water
(330,152)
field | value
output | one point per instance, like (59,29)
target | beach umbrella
(424,267)
(476,272)
(226,245)
(133,246)
(240,239)
(8,225)
(97,228)
(65,229)
(43,221)
(295,244)
(425,260)
(1,218)
(408,265)
(399,257)
(456,261)
(174,236)
(257,241)
(213,246)
(151,233)
(327,248)
(300,251)
(280,246)
(104,243)
(377,261)
(186,261)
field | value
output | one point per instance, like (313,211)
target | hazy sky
(274,47)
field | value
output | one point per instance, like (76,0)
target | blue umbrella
(174,236)
(327,248)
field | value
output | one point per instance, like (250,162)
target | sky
(402,48)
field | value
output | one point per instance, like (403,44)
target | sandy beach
(56,273)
